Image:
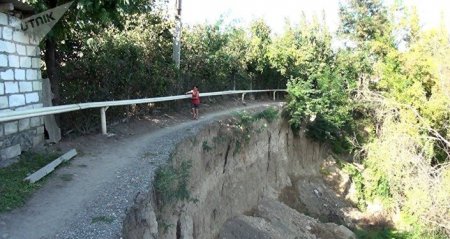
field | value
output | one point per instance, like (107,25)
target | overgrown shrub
(322,105)
(118,64)
(269,114)
(171,183)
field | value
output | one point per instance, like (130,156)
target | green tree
(257,60)
(85,17)
(363,20)
(319,94)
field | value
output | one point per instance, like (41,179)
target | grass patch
(269,114)
(13,190)
(246,120)
(102,219)
(171,184)
(206,146)
(382,233)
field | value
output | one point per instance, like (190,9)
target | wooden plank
(36,176)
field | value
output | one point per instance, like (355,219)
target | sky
(276,12)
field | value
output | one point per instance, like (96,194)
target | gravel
(110,205)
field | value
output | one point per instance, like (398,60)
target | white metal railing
(104,105)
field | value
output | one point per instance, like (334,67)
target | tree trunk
(52,68)
(51,61)
(233,79)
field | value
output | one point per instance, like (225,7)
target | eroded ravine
(239,185)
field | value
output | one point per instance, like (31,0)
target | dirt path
(88,198)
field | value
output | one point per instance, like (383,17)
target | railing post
(243,95)
(274,92)
(103,119)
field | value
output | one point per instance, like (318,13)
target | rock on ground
(272,219)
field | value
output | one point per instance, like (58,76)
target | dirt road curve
(88,198)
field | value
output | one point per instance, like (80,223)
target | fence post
(103,119)
(243,95)
(274,94)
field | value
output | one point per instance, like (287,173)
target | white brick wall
(37,85)
(3,60)
(37,106)
(16,100)
(3,102)
(32,51)
(13,61)
(40,130)
(6,46)
(11,87)
(11,128)
(24,124)
(25,62)
(36,62)
(10,47)
(7,75)
(10,152)
(19,36)
(25,86)
(33,41)
(32,97)
(21,49)
(32,74)
(20,88)
(3,19)
(19,74)
(7,33)
(35,121)
(2,45)
(27,107)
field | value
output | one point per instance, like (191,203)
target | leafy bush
(358,180)
(269,114)
(118,64)
(205,146)
(171,183)
(323,105)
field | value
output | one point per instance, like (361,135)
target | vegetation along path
(88,199)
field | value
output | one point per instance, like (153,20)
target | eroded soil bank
(249,178)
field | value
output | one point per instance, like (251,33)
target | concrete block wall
(20,89)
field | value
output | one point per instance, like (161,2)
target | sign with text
(37,26)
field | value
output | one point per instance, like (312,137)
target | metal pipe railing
(17,115)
